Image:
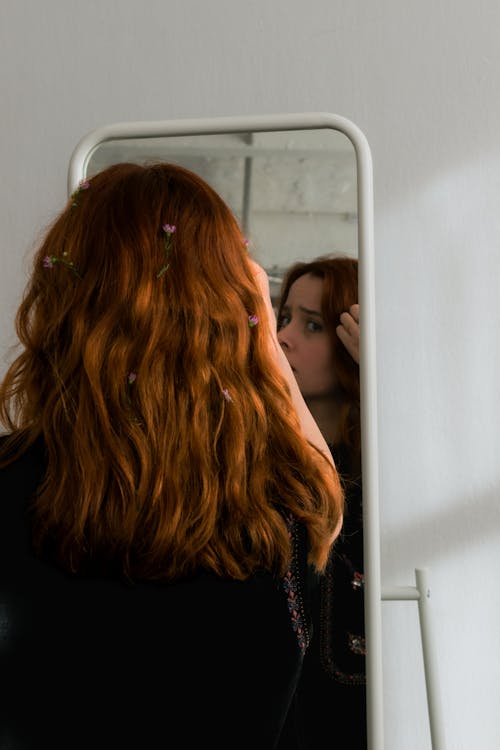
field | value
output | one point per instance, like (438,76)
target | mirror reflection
(318,331)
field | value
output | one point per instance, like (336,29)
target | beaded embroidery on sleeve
(291,584)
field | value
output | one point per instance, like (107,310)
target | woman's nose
(284,339)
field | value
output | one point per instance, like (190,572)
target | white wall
(421,79)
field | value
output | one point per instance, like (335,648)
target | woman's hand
(348,331)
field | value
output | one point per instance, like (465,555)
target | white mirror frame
(368,391)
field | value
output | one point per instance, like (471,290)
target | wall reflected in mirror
(293,192)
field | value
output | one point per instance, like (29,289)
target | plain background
(421,80)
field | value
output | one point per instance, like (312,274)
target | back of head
(138,355)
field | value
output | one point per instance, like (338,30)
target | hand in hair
(348,331)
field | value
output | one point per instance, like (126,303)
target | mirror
(300,186)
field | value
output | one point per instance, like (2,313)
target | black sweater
(96,663)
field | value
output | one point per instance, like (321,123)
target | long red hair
(171,439)
(340,290)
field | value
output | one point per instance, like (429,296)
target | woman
(318,324)
(165,492)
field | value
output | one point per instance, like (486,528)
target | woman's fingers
(348,331)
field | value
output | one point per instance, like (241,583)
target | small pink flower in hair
(169,229)
(252,320)
(226,395)
(131,378)
(50,260)
(246,243)
(82,185)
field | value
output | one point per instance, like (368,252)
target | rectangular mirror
(301,187)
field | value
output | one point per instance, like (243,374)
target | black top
(96,663)
(331,695)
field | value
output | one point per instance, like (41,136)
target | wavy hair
(171,440)
(340,291)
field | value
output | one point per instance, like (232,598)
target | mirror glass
(293,192)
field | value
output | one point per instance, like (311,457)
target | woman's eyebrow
(310,312)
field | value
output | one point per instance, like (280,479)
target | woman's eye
(313,326)
(283,321)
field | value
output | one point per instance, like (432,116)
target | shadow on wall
(465,523)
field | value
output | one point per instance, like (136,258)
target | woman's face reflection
(305,339)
